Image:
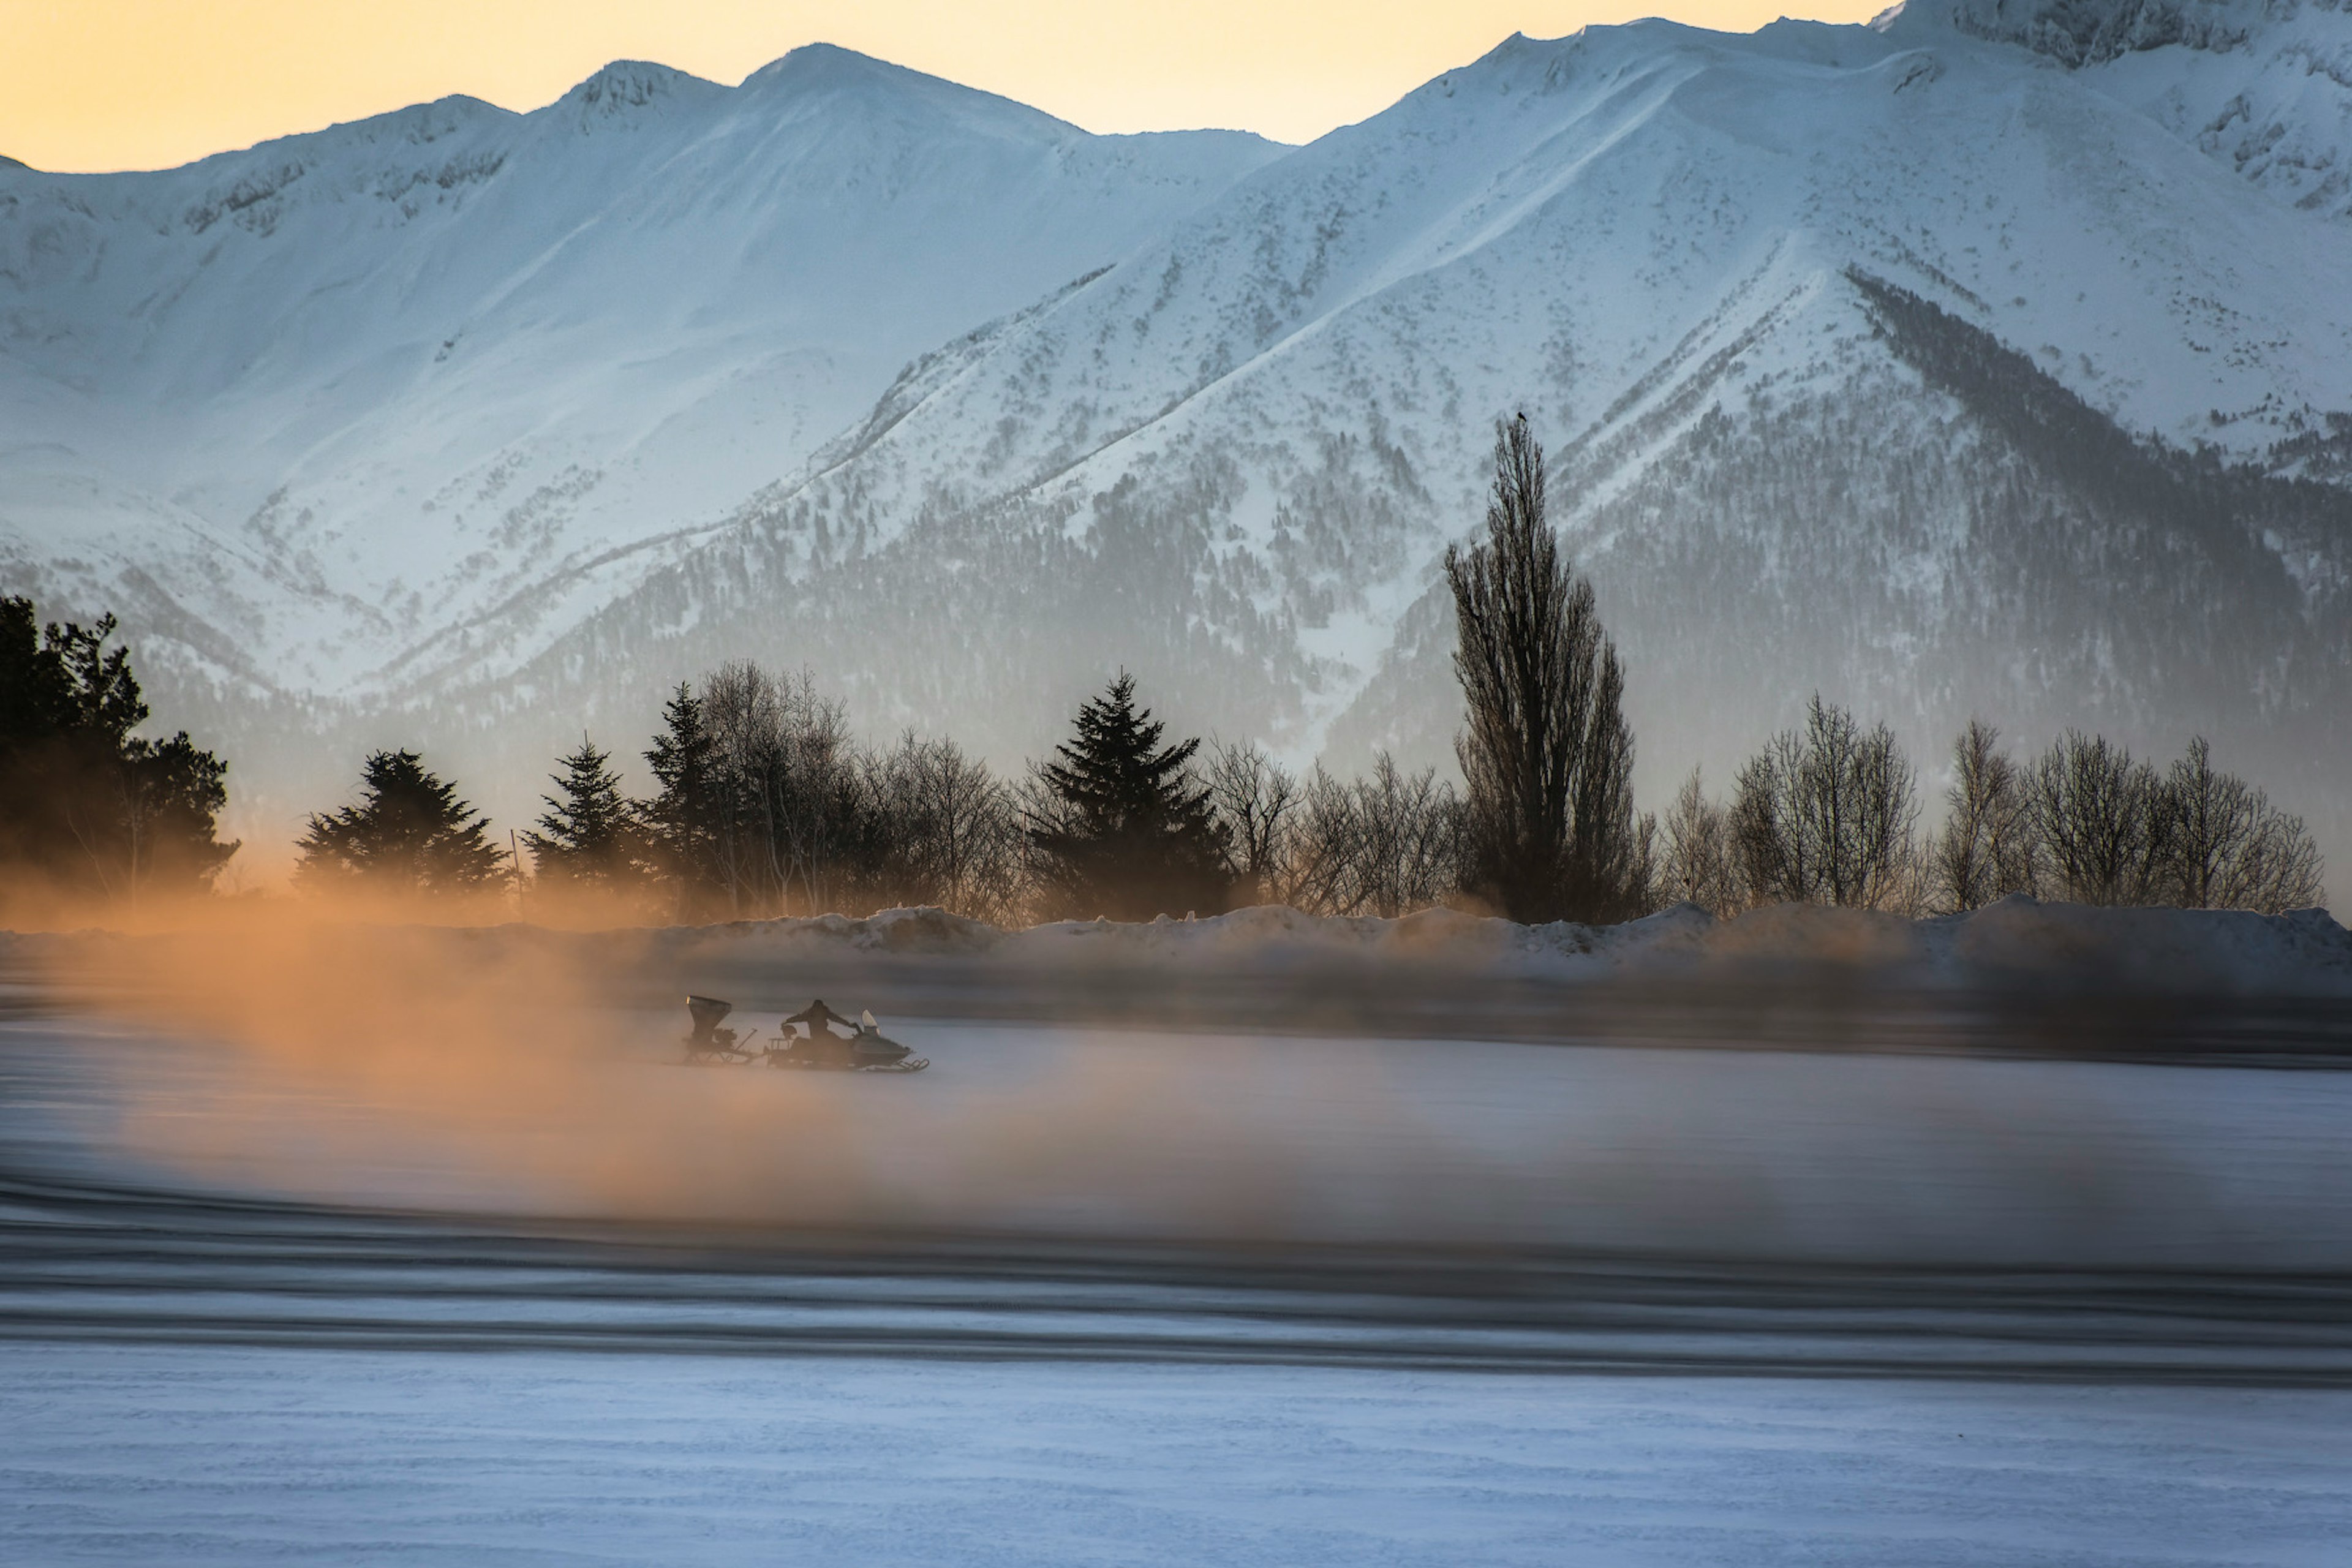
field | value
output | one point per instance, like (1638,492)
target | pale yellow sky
(115,84)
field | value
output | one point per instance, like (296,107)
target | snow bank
(2016,942)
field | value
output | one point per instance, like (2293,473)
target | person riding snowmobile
(816,1015)
(823,1043)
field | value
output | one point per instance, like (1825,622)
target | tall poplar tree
(1546,751)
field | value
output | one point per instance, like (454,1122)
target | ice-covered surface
(143,1455)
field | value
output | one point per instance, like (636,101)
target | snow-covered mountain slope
(2266,88)
(456,365)
(1967,361)
(1876,359)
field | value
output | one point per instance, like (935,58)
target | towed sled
(710,1045)
(864,1049)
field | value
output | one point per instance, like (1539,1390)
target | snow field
(142,1455)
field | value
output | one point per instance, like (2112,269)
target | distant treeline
(764,803)
(1829,814)
(764,806)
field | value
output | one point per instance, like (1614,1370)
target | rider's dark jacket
(816,1015)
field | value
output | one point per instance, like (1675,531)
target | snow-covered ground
(1090,1292)
(234,1456)
(1088,1133)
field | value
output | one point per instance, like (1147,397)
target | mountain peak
(829,70)
(829,67)
(822,61)
(625,87)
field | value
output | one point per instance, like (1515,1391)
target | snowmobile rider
(816,1015)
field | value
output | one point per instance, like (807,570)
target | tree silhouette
(1987,848)
(1118,824)
(2103,820)
(2232,849)
(84,804)
(684,813)
(409,834)
(1547,754)
(1826,814)
(591,836)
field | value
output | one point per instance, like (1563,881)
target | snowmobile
(864,1049)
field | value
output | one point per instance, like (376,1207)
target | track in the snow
(89,1262)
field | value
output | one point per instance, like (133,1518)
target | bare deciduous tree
(1258,803)
(2104,823)
(1409,832)
(2230,848)
(794,825)
(1385,845)
(1547,754)
(1321,869)
(950,831)
(743,717)
(1987,849)
(1697,866)
(1827,815)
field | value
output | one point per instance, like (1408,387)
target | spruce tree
(409,834)
(1547,754)
(1121,828)
(685,812)
(590,837)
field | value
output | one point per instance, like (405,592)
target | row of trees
(763,805)
(764,802)
(1829,814)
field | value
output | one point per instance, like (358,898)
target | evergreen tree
(1119,826)
(590,837)
(409,834)
(1547,754)
(83,804)
(685,815)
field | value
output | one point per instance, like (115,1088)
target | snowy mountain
(326,412)
(1991,358)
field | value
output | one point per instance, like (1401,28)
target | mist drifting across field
(1258,1080)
